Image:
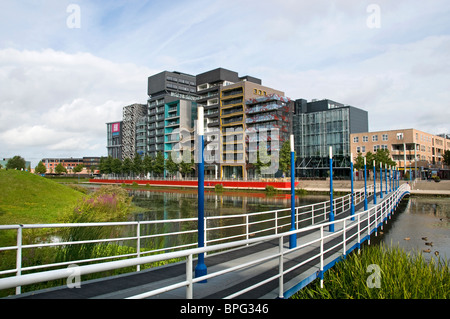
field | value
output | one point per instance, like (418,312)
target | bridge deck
(128,285)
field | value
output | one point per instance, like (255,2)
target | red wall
(229,184)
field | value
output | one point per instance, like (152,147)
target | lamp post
(365,184)
(293,237)
(352,206)
(200,269)
(374,183)
(385,178)
(331,190)
(390,178)
(381,181)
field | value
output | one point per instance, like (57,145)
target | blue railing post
(352,205)
(331,191)
(200,269)
(374,183)
(293,237)
(365,184)
(381,181)
(390,178)
(385,178)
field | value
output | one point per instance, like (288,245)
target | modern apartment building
(171,105)
(133,134)
(412,150)
(319,125)
(114,139)
(233,122)
(268,120)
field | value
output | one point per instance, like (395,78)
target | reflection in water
(170,204)
(181,204)
(422,224)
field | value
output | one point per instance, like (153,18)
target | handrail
(386,207)
(322,208)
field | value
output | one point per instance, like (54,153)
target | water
(172,204)
(421,217)
(416,217)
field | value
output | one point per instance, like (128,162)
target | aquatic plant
(400,275)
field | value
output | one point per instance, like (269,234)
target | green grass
(27,198)
(402,275)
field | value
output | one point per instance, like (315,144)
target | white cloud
(53,103)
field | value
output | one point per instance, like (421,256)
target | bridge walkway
(128,285)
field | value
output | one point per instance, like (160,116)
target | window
(399,136)
(374,138)
(384,147)
(376,148)
(358,149)
(356,139)
(385,137)
(365,138)
(363,149)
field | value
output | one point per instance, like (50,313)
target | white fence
(310,217)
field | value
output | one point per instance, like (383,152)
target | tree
(447,157)
(383,156)
(285,158)
(127,166)
(78,168)
(158,165)
(262,158)
(116,166)
(40,168)
(171,166)
(148,164)
(59,169)
(105,165)
(138,166)
(16,162)
(187,167)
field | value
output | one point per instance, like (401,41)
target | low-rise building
(411,149)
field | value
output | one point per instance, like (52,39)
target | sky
(68,67)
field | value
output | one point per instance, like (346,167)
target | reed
(401,275)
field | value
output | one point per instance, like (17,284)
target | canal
(420,223)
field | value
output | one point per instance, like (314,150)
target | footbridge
(247,256)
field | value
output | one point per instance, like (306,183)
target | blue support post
(331,191)
(365,184)
(381,181)
(200,269)
(293,237)
(390,178)
(374,183)
(352,205)
(385,178)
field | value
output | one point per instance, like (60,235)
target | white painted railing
(315,210)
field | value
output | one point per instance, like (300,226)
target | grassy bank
(382,272)
(27,198)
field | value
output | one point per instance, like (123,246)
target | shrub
(270,189)
(218,187)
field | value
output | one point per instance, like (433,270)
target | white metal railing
(321,208)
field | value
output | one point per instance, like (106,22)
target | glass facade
(317,128)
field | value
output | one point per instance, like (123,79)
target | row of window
(362,149)
(365,138)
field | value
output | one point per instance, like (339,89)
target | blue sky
(60,85)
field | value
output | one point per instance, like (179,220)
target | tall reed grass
(401,275)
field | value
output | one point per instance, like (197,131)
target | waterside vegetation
(383,272)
